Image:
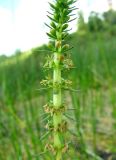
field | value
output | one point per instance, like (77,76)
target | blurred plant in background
(105,23)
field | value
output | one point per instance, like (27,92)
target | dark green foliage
(105,22)
(110,21)
(18,75)
(2,58)
(110,17)
(95,23)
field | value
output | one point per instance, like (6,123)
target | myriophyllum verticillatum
(60,17)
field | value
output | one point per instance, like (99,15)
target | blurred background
(23,52)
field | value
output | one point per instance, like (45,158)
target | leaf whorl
(60,17)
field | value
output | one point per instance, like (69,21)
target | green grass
(94,114)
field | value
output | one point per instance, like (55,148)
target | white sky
(23,27)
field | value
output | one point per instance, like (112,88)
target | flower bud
(65,47)
(65,26)
(53,32)
(50,46)
(58,44)
(53,25)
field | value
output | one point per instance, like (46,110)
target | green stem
(60,16)
(57,101)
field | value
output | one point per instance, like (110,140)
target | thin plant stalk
(58,62)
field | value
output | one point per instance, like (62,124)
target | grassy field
(92,115)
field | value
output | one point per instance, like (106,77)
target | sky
(22,22)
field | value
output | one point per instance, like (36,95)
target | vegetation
(92,106)
(57,125)
(99,23)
